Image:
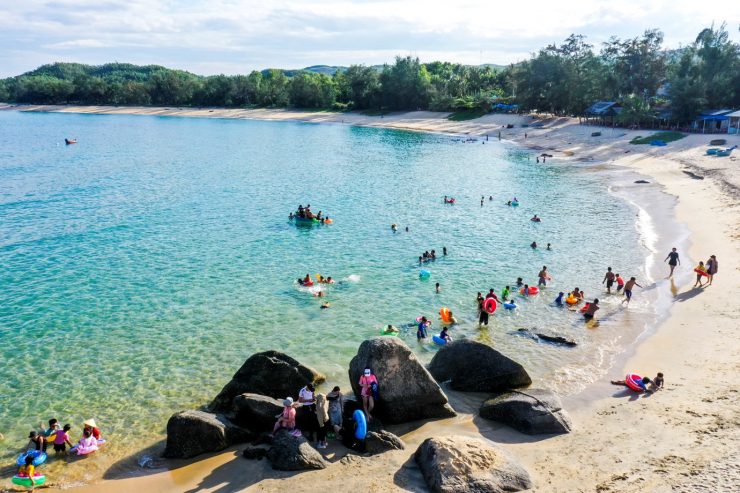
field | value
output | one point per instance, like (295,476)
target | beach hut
(734,123)
(602,110)
(713,121)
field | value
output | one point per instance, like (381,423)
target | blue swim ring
(39,457)
(510,306)
(424,273)
(439,340)
(361,430)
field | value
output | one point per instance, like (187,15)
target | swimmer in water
(324,306)
(519,281)
(559,299)
(525,291)
(394,228)
(490,198)
(421,332)
(407,229)
(505,293)
(591,309)
(444,335)
(534,244)
(444,250)
(439,290)
(549,247)
(320,294)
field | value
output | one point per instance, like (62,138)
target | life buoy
(439,340)
(532,290)
(424,273)
(361,430)
(304,283)
(634,381)
(509,306)
(701,272)
(572,300)
(490,305)
(445,314)
(582,310)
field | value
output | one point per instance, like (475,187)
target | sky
(237,36)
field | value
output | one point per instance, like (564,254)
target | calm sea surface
(142,266)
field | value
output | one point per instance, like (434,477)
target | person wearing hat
(712,267)
(36,440)
(287,418)
(92,427)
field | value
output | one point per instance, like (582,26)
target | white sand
(684,438)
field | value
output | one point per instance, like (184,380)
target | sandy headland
(683,438)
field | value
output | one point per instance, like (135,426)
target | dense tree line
(563,79)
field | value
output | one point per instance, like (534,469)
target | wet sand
(683,438)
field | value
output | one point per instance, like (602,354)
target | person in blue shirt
(421,332)
(559,299)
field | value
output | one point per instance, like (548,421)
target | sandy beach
(683,438)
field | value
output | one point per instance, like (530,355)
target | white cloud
(240,35)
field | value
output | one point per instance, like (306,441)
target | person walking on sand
(701,271)
(628,289)
(712,267)
(673,260)
(609,278)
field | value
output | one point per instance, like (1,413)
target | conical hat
(90,422)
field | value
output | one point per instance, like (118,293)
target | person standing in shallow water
(673,260)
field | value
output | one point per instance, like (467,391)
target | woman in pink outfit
(87,444)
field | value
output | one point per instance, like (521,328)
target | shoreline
(601,423)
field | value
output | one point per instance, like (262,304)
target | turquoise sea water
(140,267)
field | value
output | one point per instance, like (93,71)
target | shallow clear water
(142,266)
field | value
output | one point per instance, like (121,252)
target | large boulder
(290,453)
(270,373)
(191,433)
(406,390)
(256,412)
(382,441)
(530,411)
(470,366)
(460,464)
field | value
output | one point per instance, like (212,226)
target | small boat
(509,126)
(717,142)
(67,141)
(595,134)
(303,220)
(712,152)
(724,153)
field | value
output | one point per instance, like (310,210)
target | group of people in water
(429,256)
(60,437)
(305,213)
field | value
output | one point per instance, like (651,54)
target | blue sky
(237,36)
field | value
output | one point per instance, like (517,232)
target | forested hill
(647,79)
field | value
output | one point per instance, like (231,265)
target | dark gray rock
(270,373)
(406,390)
(382,441)
(289,453)
(254,453)
(460,464)
(191,433)
(531,411)
(470,366)
(256,412)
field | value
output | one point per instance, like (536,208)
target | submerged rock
(530,411)
(470,366)
(290,453)
(461,464)
(269,373)
(406,390)
(191,433)
(556,339)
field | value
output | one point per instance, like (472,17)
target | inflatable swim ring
(304,221)
(515,204)
(701,272)
(571,300)
(74,449)
(451,201)
(387,332)
(439,340)
(536,220)
(445,314)
(328,221)
(417,321)
(24,480)
(510,306)
(582,310)
(634,381)
(532,290)
(309,283)
(361,430)
(424,273)
(39,457)
(489,305)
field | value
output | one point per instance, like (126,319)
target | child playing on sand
(27,471)
(61,440)
(657,383)
(643,383)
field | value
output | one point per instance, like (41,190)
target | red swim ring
(309,283)
(701,272)
(490,305)
(532,290)
(584,308)
(634,381)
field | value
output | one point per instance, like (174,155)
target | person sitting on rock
(336,409)
(287,420)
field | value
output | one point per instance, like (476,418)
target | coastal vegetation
(664,136)
(564,79)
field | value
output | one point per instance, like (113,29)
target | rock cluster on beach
(247,407)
